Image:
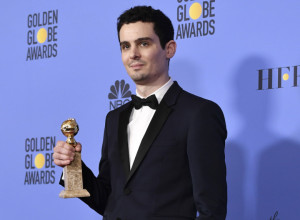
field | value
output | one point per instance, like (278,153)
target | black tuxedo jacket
(179,168)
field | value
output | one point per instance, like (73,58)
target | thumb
(78,147)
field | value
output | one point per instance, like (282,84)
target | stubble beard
(139,78)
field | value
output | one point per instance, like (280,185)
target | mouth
(136,66)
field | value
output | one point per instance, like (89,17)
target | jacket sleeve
(99,187)
(205,149)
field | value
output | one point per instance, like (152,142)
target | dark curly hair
(163,27)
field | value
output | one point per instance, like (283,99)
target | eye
(125,46)
(144,44)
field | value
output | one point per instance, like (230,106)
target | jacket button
(127,191)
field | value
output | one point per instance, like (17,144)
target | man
(168,160)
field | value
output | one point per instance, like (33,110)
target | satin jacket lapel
(123,138)
(162,112)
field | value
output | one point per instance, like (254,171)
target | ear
(170,49)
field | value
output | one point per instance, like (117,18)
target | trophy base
(74,193)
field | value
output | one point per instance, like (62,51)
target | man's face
(142,55)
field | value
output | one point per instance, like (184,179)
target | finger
(61,163)
(62,144)
(64,148)
(63,154)
(78,147)
(68,147)
(60,156)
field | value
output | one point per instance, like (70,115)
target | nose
(134,53)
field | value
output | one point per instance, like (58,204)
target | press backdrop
(61,59)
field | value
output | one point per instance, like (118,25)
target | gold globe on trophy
(72,172)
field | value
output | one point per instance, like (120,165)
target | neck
(146,89)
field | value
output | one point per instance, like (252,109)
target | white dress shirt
(139,121)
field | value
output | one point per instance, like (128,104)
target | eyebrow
(137,40)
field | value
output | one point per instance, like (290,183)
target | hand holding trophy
(72,172)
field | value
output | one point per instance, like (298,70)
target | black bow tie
(151,101)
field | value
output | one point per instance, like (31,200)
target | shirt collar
(159,93)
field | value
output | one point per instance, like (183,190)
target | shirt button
(127,191)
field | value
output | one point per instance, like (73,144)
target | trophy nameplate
(73,171)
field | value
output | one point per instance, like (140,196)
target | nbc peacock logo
(119,94)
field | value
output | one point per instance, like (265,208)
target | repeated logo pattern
(279,77)
(119,90)
(195,19)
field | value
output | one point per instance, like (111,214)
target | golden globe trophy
(72,172)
